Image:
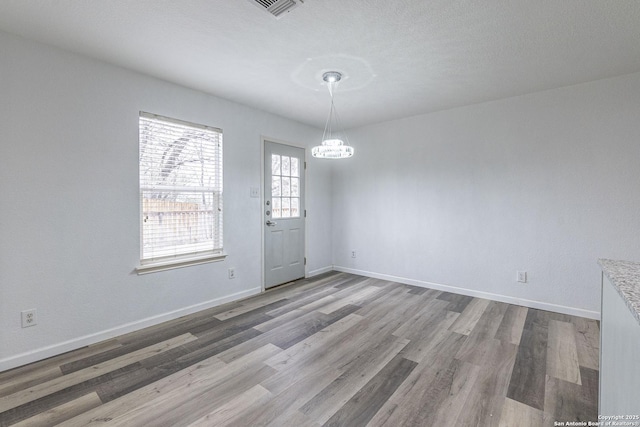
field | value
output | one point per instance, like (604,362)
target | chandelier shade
(332,149)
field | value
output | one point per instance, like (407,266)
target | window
(180,193)
(285,186)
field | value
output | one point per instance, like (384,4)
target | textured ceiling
(400,58)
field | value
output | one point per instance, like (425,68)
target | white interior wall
(69,215)
(546,183)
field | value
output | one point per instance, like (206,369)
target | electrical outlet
(29,318)
(254,192)
(232,273)
(353,254)
(522,277)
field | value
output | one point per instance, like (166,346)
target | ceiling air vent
(275,7)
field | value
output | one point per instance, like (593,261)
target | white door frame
(264,139)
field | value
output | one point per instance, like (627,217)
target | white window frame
(165,262)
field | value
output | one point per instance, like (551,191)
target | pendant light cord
(328,125)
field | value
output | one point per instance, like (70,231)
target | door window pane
(275,186)
(286,169)
(286,207)
(295,207)
(276,212)
(275,164)
(286,186)
(295,167)
(295,187)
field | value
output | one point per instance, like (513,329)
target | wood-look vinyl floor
(334,350)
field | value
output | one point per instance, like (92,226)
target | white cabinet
(619,356)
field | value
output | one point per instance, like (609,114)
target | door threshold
(282,285)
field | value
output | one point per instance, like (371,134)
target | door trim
(264,139)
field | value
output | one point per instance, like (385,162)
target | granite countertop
(625,277)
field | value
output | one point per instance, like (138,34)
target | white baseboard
(55,349)
(319,271)
(479,294)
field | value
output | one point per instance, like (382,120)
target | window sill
(178,263)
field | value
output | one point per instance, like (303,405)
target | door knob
(271,223)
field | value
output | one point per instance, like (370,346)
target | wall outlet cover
(522,277)
(29,318)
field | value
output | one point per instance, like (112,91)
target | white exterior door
(283,213)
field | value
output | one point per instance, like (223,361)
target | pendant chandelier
(332,146)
